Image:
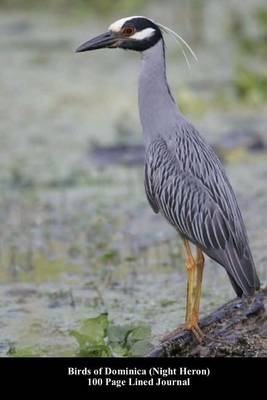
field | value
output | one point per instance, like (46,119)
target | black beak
(107,39)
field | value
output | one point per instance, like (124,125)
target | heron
(183,177)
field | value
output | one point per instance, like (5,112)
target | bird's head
(133,33)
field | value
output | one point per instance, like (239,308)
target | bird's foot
(192,325)
(194,328)
(197,332)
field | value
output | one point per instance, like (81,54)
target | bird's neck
(158,111)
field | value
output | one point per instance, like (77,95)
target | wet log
(236,329)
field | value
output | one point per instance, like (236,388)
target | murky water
(78,239)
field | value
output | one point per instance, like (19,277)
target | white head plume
(180,42)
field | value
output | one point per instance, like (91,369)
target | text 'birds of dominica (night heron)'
(184,179)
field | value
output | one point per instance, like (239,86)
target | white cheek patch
(144,34)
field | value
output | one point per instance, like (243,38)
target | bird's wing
(150,190)
(196,157)
(193,212)
(192,209)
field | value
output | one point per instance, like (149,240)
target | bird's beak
(107,39)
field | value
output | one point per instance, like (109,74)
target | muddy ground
(77,235)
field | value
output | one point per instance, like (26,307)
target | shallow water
(78,239)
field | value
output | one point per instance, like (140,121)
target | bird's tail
(240,269)
(244,280)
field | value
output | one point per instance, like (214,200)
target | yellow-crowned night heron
(184,179)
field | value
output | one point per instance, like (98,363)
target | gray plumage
(184,179)
(186,182)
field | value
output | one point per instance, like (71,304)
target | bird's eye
(128,31)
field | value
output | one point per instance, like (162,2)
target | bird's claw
(197,332)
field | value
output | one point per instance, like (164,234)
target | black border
(49,376)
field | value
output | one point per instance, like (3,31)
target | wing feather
(199,202)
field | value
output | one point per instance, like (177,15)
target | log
(236,329)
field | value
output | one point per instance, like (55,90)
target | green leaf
(95,351)
(140,348)
(119,351)
(95,329)
(118,333)
(91,337)
(139,333)
(100,338)
(138,341)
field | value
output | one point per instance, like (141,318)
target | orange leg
(190,266)
(194,272)
(200,267)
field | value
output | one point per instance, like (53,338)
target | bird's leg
(200,266)
(190,267)
(197,293)
(193,294)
